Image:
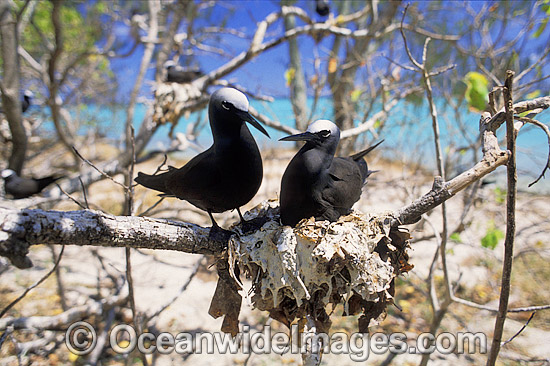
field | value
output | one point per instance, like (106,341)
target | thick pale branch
(21,229)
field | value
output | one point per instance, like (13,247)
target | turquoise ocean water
(408,133)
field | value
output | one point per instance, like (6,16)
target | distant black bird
(20,187)
(178,74)
(25,103)
(322,7)
(316,183)
(229,173)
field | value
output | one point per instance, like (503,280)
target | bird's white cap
(7,173)
(323,125)
(230,95)
(169,63)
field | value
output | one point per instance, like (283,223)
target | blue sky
(266,70)
(265,73)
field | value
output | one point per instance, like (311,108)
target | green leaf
(540,28)
(492,237)
(289,75)
(533,94)
(500,195)
(476,90)
(456,237)
(356,94)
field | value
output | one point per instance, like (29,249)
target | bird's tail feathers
(156,182)
(365,176)
(361,154)
(46,181)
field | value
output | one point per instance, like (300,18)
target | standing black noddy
(19,187)
(178,74)
(229,173)
(316,183)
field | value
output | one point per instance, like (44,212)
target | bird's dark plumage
(178,74)
(19,187)
(25,103)
(316,183)
(229,173)
(322,7)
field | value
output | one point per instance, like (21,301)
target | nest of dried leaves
(299,271)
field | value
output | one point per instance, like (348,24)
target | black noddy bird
(19,187)
(26,102)
(322,7)
(178,74)
(316,183)
(229,173)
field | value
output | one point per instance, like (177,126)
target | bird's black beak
(248,118)
(306,136)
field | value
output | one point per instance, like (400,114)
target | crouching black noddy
(229,173)
(178,74)
(322,7)
(19,187)
(316,183)
(26,102)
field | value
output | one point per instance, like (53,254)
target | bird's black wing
(201,174)
(344,186)
(21,187)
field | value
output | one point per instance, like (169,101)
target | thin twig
(519,331)
(146,212)
(413,60)
(510,221)
(196,269)
(14,302)
(59,281)
(5,335)
(84,192)
(71,197)
(99,170)
(159,168)
(547,132)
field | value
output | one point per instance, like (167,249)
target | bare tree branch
(10,86)
(510,221)
(20,229)
(56,322)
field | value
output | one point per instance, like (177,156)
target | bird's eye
(324,134)
(226,105)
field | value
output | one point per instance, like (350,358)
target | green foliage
(545,7)
(290,74)
(456,237)
(356,94)
(476,90)
(492,237)
(500,195)
(79,32)
(416,99)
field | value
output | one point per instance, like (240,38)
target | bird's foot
(218,234)
(249,226)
